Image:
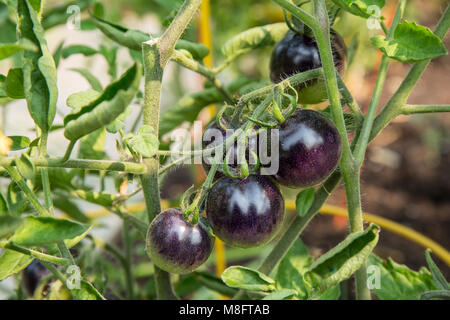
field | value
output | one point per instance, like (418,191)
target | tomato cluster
(249,212)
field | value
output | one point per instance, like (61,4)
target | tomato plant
(267,134)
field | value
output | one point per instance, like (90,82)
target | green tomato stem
(363,139)
(34,253)
(156,54)
(107,165)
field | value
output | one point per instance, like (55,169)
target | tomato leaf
(304,201)
(78,49)
(100,198)
(25,166)
(8,49)
(247,279)
(44,230)
(106,108)
(92,146)
(39,70)
(60,14)
(133,39)
(8,224)
(411,43)
(342,261)
(292,267)
(87,292)
(80,99)
(281,294)
(145,142)
(14,84)
(290,274)
(254,38)
(70,208)
(19,142)
(435,272)
(398,282)
(361,8)
(12,262)
(93,81)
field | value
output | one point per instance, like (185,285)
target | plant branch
(156,53)
(108,165)
(209,74)
(363,139)
(34,253)
(413,109)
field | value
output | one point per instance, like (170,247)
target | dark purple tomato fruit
(175,245)
(297,53)
(245,213)
(309,149)
(32,275)
(214,136)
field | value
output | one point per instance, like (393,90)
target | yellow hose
(384,223)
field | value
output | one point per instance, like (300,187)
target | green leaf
(281,294)
(39,70)
(133,39)
(93,81)
(8,49)
(45,230)
(411,43)
(8,224)
(87,292)
(106,108)
(74,241)
(342,261)
(435,272)
(189,106)
(70,208)
(254,38)
(14,84)
(78,49)
(247,279)
(19,142)
(25,166)
(197,50)
(92,146)
(119,123)
(292,267)
(100,198)
(398,282)
(83,98)
(3,205)
(59,14)
(304,201)
(360,8)
(129,38)
(145,142)
(12,262)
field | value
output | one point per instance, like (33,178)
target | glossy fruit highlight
(297,53)
(175,245)
(245,213)
(310,149)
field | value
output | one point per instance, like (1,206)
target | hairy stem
(363,139)
(156,54)
(107,165)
